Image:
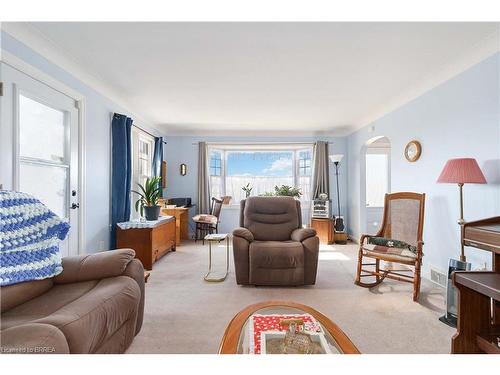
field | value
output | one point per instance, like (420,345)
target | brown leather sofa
(271,247)
(95,305)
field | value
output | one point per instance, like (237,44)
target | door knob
(74,206)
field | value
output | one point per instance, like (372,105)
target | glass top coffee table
(262,329)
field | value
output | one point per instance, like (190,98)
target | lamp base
(449,320)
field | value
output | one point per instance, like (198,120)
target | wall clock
(413,150)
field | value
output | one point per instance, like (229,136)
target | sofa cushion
(89,315)
(271,218)
(16,294)
(276,263)
(276,254)
(45,304)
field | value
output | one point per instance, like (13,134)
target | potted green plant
(287,191)
(283,191)
(149,194)
(247,190)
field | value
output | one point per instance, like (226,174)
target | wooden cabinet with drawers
(149,244)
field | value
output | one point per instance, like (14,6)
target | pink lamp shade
(462,171)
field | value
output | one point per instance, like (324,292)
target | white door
(41,124)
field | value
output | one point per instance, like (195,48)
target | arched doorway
(375,182)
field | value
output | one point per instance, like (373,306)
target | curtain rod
(145,131)
(257,143)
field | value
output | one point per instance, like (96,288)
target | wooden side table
(181,215)
(324,229)
(216,238)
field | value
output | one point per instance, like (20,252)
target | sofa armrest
(243,233)
(135,270)
(94,266)
(241,248)
(301,234)
(33,338)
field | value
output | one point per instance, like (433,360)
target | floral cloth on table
(30,234)
(261,323)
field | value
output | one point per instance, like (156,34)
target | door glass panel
(47,183)
(42,131)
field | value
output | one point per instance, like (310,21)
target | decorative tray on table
(286,334)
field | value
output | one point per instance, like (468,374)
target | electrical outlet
(101,245)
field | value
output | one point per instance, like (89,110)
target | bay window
(261,167)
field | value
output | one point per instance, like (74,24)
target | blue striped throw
(30,234)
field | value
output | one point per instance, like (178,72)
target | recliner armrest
(243,233)
(301,234)
(94,266)
(33,338)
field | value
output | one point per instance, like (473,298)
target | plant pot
(151,213)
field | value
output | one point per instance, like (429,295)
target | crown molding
(477,53)
(31,37)
(214,131)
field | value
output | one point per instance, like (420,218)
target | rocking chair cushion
(387,242)
(389,253)
(205,219)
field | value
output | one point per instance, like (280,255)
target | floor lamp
(339,221)
(458,171)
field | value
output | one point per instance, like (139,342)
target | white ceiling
(265,77)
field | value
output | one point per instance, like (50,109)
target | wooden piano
(478,329)
(485,235)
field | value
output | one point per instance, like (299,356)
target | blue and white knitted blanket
(30,234)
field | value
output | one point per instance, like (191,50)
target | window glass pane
(41,131)
(261,169)
(215,163)
(305,163)
(305,188)
(144,167)
(376,179)
(47,183)
(216,186)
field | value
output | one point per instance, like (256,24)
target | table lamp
(461,171)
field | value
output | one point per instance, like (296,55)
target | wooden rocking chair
(399,240)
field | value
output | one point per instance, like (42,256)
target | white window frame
(139,135)
(275,147)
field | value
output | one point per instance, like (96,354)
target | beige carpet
(185,314)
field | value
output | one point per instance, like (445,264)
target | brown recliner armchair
(271,247)
(95,305)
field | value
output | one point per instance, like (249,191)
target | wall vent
(438,276)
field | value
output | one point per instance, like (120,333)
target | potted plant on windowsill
(149,194)
(284,191)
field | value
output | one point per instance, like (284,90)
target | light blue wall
(184,149)
(459,118)
(98,113)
